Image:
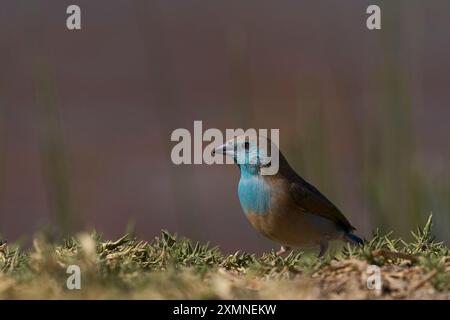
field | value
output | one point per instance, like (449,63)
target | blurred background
(86,116)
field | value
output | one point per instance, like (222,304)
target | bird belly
(294,229)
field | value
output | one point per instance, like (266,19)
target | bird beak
(224,149)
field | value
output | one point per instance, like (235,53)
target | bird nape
(283,206)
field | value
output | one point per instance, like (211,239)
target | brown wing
(309,199)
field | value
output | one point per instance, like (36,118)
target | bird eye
(246,145)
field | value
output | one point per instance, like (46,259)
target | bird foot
(282,251)
(323,248)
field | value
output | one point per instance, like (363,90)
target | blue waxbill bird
(284,207)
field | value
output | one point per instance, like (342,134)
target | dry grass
(173,268)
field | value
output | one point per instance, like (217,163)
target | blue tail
(350,237)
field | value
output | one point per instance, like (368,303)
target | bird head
(249,151)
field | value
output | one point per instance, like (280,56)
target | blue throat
(254,193)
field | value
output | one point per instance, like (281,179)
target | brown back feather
(308,199)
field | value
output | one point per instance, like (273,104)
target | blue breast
(254,193)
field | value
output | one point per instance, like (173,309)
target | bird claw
(282,251)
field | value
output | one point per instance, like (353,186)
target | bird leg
(282,250)
(323,247)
